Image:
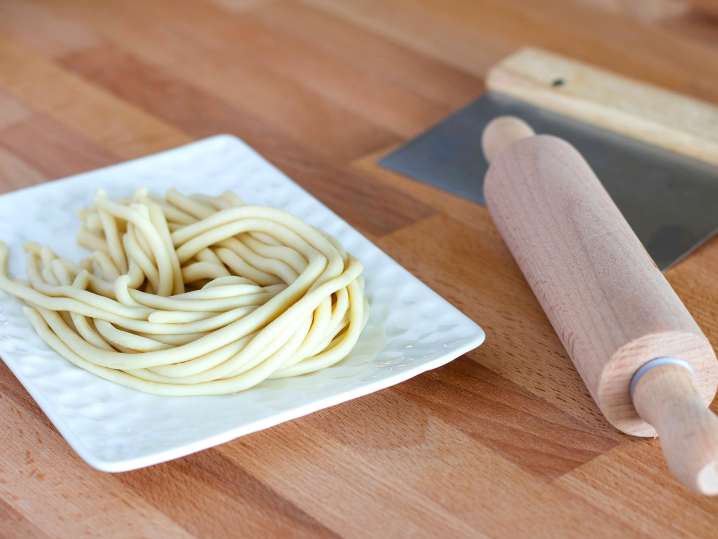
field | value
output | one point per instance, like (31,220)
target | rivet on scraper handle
(611,307)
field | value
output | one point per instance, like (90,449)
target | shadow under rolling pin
(641,354)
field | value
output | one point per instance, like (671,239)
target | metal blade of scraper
(671,201)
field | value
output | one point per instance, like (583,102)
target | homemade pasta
(194,295)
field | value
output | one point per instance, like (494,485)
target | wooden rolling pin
(644,359)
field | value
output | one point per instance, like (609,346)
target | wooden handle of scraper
(617,316)
(638,110)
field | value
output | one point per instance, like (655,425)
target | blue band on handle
(658,362)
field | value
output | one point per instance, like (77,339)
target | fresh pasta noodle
(194,295)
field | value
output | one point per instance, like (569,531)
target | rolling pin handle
(665,396)
(501,133)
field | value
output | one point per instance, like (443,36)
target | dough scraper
(656,152)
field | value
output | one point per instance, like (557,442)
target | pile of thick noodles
(194,295)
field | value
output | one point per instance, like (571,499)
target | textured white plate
(411,329)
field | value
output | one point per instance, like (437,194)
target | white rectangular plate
(411,329)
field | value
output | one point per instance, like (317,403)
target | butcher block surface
(505,441)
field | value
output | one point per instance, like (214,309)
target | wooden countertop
(503,442)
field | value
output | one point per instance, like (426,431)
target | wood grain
(448,481)
(626,474)
(524,429)
(53,490)
(276,92)
(27,75)
(183,104)
(225,501)
(45,33)
(495,293)
(475,35)
(504,442)
(380,59)
(14,526)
